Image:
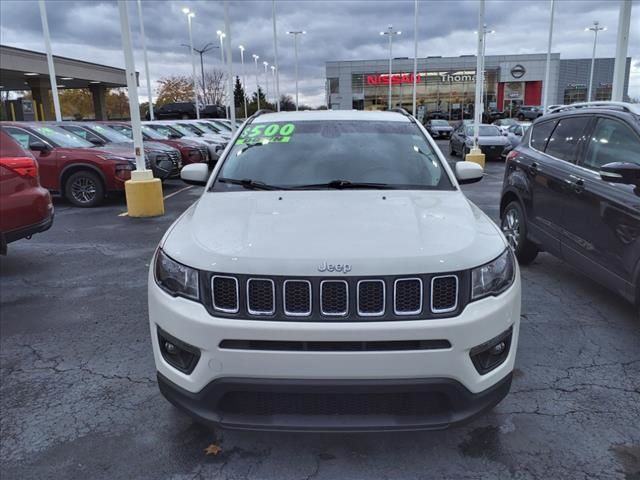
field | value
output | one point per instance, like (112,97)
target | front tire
(514,227)
(452,152)
(84,189)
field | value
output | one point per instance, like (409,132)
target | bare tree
(214,88)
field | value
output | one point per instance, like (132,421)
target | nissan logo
(518,71)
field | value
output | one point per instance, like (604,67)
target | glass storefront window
(575,93)
(447,94)
(333,85)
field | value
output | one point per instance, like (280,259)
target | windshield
(208,126)
(110,134)
(485,131)
(62,137)
(178,128)
(441,123)
(507,121)
(316,153)
(223,126)
(192,128)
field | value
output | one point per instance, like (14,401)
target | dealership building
(447,84)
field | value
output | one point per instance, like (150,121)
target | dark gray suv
(572,188)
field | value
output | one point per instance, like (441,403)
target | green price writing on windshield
(267,133)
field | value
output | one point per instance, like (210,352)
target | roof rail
(262,111)
(626,107)
(401,111)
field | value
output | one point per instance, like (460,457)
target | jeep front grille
(347,298)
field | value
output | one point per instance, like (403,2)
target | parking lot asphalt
(79,397)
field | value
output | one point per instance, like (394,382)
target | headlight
(494,277)
(175,278)
(115,158)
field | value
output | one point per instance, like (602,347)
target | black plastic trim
(456,403)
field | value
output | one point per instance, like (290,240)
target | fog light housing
(491,354)
(178,354)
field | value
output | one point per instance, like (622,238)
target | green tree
(174,88)
(238,94)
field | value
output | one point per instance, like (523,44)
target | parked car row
(186,110)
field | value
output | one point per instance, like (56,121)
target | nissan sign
(518,71)
(396,79)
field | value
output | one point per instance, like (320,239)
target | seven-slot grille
(351,298)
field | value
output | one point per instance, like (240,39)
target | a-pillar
(40,92)
(99,94)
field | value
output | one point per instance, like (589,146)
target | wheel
(84,189)
(521,117)
(514,227)
(452,152)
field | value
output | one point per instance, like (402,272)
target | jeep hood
(292,232)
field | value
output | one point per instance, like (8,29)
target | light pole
(415,58)
(201,52)
(295,47)
(273,77)
(390,32)
(221,36)
(595,29)
(52,70)
(483,91)
(275,55)
(232,103)
(190,15)
(622,45)
(146,60)
(266,79)
(547,69)
(255,59)
(478,100)
(244,80)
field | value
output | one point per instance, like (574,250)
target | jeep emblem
(334,267)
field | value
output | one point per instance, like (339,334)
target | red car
(72,166)
(191,152)
(25,207)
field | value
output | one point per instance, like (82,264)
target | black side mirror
(38,146)
(97,142)
(174,136)
(621,172)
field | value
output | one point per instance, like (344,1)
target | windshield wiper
(346,184)
(250,184)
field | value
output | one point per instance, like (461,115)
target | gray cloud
(337,30)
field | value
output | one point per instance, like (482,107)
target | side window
(612,141)
(24,138)
(566,137)
(540,135)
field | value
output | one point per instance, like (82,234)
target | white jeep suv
(332,276)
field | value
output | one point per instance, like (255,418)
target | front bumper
(445,379)
(328,405)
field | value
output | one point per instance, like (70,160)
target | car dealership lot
(79,397)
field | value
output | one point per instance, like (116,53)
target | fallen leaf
(213,449)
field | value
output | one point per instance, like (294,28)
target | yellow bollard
(475,156)
(35,110)
(42,112)
(13,112)
(144,195)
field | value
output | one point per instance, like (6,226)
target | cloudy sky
(337,30)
